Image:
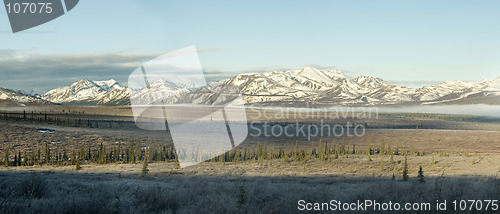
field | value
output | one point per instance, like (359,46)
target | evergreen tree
(19,158)
(389,150)
(320,150)
(78,167)
(264,155)
(25,159)
(47,154)
(73,158)
(132,154)
(259,151)
(313,149)
(172,153)
(421,177)
(145,169)
(296,156)
(369,151)
(117,154)
(405,169)
(65,155)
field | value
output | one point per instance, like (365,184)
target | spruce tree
(389,148)
(296,156)
(313,149)
(405,169)
(320,150)
(421,177)
(259,151)
(19,158)
(7,164)
(369,150)
(264,155)
(145,169)
(25,159)
(78,167)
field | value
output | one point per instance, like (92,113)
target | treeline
(62,119)
(131,154)
(134,153)
(324,151)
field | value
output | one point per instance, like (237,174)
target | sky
(412,43)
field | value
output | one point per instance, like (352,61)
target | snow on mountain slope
(493,85)
(89,92)
(333,87)
(109,85)
(308,78)
(9,95)
(309,84)
(158,92)
(81,90)
(370,82)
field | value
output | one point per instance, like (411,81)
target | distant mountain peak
(109,82)
(87,91)
(160,83)
(309,69)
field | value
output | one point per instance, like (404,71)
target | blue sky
(410,42)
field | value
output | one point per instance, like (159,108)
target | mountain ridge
(309,84)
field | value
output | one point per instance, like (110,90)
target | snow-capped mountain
(158,92)
(329,87)
(333,87)
(86,92)
(18,98)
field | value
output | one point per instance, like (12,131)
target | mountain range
(329,87)
(86,92)
(15,98)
